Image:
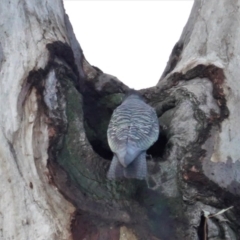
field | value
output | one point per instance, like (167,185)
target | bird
(132,129)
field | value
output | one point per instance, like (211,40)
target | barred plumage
(133,128)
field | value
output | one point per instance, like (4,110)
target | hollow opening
(201,229)
(101,150)
(100,145)
(97,113)
(158,148)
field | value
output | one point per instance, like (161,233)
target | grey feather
(137,169)
(133,128)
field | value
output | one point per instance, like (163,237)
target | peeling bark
(55,109)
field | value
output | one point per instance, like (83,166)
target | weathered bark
(202,77)
(55,108)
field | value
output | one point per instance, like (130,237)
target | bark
(55,109)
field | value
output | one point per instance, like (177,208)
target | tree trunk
(55,109)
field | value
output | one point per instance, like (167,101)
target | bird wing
(144,130)
(133,128)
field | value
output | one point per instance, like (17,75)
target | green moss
(77,164)
(112,101)
(71,157)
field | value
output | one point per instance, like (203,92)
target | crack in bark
(14,156)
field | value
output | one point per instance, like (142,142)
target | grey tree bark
(55,109)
